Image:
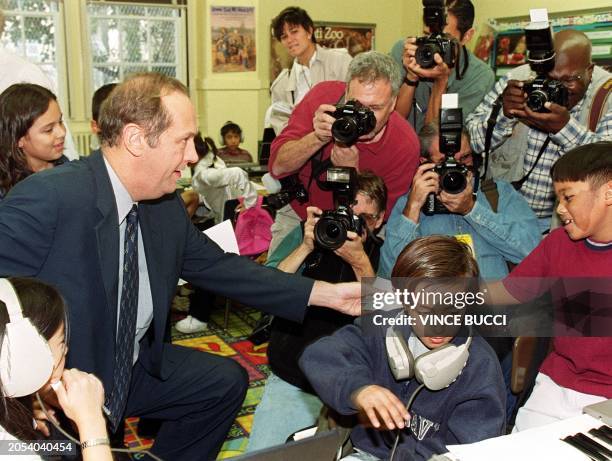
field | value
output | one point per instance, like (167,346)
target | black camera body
(434,17)
(542,90)
(330,232)
(453,175)
(291,189)
(353,120)
(541,58)
(428,46)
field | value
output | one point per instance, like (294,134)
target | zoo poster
(356,38)
(233,38)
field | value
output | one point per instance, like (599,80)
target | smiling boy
(578,370)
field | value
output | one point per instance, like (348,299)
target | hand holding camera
(312,217)
(322,122)
(437,68)
(342,156)
(425,182)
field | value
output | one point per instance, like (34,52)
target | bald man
(520,134)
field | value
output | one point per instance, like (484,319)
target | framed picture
(356,38)
(233,38)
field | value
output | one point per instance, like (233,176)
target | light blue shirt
(145,299)
(510,234)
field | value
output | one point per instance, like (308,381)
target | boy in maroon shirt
(578,370)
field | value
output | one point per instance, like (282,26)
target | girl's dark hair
(591,163)
(292,15)
(20,106)
(44,306)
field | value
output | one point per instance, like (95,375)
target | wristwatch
(409,82)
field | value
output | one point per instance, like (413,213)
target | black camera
(541,58)
(434,17)
(353,120)
(333,225)
(453,175)
(291,189)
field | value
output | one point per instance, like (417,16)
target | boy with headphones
(371,369)
(231,137)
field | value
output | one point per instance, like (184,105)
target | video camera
(434,17)
(331,230)
(453,175)
(284,191)
(541,58)
(353,120)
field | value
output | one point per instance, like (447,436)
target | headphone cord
(118,450)
(397,431)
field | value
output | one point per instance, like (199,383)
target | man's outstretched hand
(342,297)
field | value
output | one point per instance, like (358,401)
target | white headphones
(26,361)
(437,368)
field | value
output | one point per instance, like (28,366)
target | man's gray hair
(371,66)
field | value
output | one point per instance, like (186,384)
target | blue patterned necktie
(126,333)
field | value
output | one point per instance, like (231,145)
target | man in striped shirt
(521,132)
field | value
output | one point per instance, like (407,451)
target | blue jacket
(510,234)
(61,226)
(469,410)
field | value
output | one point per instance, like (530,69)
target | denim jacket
(508,235)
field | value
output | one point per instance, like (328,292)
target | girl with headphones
(32,133)
(231,137)
(33,332)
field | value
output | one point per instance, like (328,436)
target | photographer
(422,88)
(520,130)
(288,403)
(508,234)
(389,148)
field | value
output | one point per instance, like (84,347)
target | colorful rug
(231,342)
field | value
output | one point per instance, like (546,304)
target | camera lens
(453,182)
(536,100)
(329,233)
(425,56)
(345,130)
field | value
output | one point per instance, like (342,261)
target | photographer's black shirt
(288,339)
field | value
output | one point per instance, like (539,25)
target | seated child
(350,372)
(231,137)
(33,352)
(578,370)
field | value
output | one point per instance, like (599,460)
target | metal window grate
(128,38)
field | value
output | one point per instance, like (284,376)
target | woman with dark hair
(79,394)
(32,133)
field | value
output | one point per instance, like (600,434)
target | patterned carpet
(230,343)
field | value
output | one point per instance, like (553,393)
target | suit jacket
(61,226)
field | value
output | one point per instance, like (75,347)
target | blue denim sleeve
(513,230)
(400,231)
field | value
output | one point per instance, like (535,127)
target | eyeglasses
(571,80)
(369,217)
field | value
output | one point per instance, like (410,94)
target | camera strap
(466,63)
(492,120)
(518,184)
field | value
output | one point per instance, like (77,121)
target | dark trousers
(198,402)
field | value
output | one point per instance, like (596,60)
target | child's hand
(378,402)
(81,396)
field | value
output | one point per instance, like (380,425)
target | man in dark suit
(112,235)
